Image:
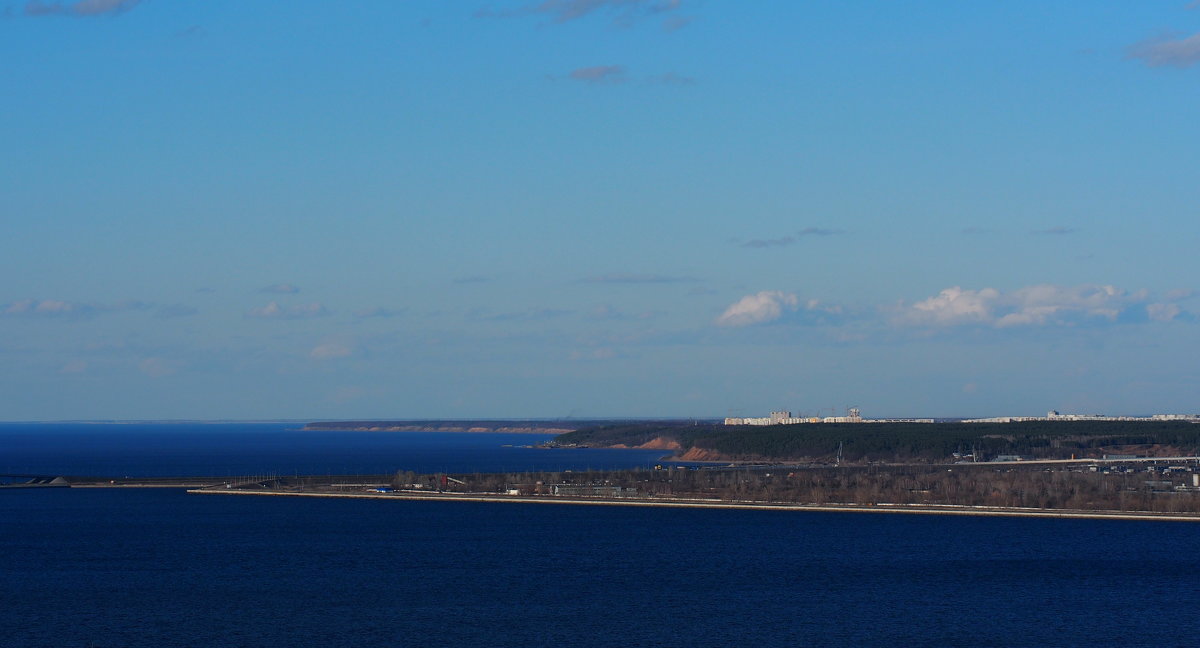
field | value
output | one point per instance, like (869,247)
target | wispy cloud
(675,23)
(601,353)
(57,308)
(281,289)
(535,315)
(599,74)
(1055,231)
(618,74)
(156,367)
(379,311)
(193,31)
(74,367)
(1163,312)
(790,239)
(299,311)
(623,12)
(330,351)
(79,8)
(1169,50)
(48,308)
(624,278)
(766,243)
(765,306)
(608,312)
(169,311)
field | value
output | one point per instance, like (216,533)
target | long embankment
(658,502)
(147,482)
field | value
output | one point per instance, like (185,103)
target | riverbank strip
(923,509)
(189,485)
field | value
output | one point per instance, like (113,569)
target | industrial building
(1053,415)
(784,417)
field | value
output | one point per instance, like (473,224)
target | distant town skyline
(597,208)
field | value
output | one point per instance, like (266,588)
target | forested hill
(897,442)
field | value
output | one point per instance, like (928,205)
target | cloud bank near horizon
(1030,306)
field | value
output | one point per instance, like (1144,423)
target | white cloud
(300,311)
(47,308)
(1029,306)
(1163,312)
(1040,305)
(330,351)
(271,311)
(955,306)
(816,305)
(765,306)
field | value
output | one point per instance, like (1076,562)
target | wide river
(159,567)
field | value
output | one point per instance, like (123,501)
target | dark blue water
(159,567)
(163,568)
(197,449)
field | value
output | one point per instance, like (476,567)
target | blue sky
(548,208)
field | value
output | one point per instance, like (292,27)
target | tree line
(1026,487)
(899,442)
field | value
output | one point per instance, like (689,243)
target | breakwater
(723,504)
